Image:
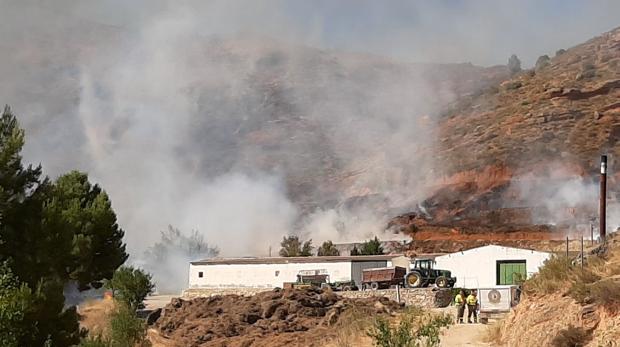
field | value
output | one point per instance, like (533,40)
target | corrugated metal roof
(287,260)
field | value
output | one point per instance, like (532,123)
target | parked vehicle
(383,277)
(424,274)
(342,286)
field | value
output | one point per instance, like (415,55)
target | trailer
(384,277)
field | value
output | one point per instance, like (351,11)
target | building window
(277,273)
(200,274)
(510,272)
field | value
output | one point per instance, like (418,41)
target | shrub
(131,286)
(126,329)
(560,52)
(384,335)
(414,330)
(571,337)
(514,64)
(606,292)
(541,62)
(95,341)
(551,277)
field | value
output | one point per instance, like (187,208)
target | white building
(274,271)
(491,266)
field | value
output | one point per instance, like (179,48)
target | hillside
(525,152)
(459,152)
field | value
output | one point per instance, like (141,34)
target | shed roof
(288,260)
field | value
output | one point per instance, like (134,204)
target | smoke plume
(222,117)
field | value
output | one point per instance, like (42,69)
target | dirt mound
(299,317)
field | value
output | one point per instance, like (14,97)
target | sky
(483,32)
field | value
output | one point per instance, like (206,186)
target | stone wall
(212,291)
(423,297)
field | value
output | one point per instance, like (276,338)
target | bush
(414,330)
(551,277)
(571,337)
(131,286)
(606,292)
(95,341)
(541,62)
(126,329)
(514,64)
(581,281)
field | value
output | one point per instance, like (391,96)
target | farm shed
(491,266)
(271,272)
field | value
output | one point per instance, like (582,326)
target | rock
(153,316)
(176,302)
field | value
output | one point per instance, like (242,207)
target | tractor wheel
(346,288)
(441,282)
(413,280)
(374,286)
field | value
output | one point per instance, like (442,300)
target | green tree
(50,234)
(293,247)
(514,64)
(328,249)
(131,286)
(371,247)
(355,251)
(97,247)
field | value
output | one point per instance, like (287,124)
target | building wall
(477,268)
(261,275)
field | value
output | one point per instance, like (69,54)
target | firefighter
(459,302)
(472,307)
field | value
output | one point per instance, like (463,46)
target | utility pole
(603,199)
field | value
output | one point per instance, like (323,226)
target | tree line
(292,246)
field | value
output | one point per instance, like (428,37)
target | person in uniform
(472,307)
(459,302)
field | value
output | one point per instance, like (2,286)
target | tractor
(423,274)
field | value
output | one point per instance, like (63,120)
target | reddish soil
(297,317)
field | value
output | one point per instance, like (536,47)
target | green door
(509,271)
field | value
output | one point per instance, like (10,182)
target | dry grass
(493,334)
(95,315)
(606,292)
(351,328)
(571,337)
(551,277)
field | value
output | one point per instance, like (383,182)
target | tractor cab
(425,264)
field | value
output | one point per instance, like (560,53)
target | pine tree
(328,249)
(371,247)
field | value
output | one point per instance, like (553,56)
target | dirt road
(464,335)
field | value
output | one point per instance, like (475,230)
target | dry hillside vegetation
(564,305)
(539,128)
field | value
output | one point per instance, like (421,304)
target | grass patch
(551,277)
(493,333)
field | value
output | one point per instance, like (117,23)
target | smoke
(560,196)
(219,116)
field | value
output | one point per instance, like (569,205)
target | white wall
(261,275)
(477,268)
